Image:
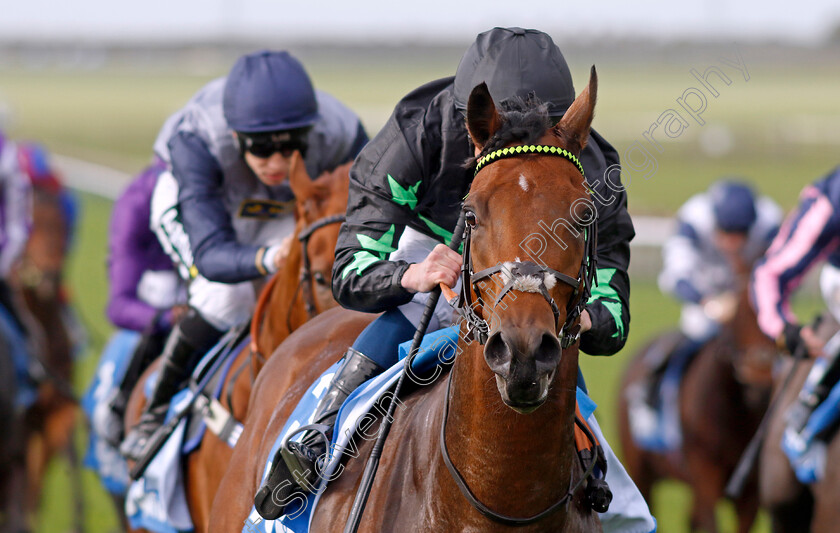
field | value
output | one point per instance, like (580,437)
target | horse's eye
(320,279)
(470,218)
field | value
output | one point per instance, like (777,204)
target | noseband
(515,273)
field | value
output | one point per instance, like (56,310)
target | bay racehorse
(723,395)
(50,422)
(296,293)
(507,410)
(793,506)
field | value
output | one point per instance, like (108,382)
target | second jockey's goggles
(264,145)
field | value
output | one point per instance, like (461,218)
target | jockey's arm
(383,192)
(809,232)
(680,258)
(218,255)
(17,206)
(129,241)
(608,307)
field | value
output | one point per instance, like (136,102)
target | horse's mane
(523,120)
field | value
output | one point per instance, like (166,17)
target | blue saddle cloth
(101,457)
(437,347)
(157,500)
(27,390)
(807,451)
(659,429)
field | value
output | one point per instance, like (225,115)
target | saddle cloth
(658,429)
(101,457)
(807,451)
(157,500)
(437,347)
(27,390)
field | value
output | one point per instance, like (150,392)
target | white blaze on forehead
(523,182)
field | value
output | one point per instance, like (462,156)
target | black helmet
(516,62)
(269,91)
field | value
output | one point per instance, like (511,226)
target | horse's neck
(500,452)
(285,307)
(56,340)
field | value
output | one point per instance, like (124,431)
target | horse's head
(42,263)
(320,208)
(529,300)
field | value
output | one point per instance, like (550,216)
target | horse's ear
(573,128)
(299,179)
(482,117)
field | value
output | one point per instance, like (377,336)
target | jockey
(16,219)
(225,211)
(406,189)
(724,226)
(145,295)
(34,162)
(808,235)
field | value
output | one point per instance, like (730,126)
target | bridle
(478,328)
(305,280)
(517,271)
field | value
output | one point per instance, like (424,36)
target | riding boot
(821,379)
(189,339)
(108,423)
(294,464)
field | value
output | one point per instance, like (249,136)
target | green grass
(112,117)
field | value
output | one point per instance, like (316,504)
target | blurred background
(94,81)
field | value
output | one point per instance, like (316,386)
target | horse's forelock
(524,120)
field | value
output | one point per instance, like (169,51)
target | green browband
(511,151)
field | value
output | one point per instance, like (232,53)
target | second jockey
(225,211)
(720,233)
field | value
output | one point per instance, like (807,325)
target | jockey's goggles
(264,145)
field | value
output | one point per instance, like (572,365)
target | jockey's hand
(585,321)
(813,344)
(442,265)
(178,312)
(283,252)
(720,308)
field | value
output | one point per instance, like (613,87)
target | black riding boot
(821,379)
(294,464)
(189,339)
(150,346)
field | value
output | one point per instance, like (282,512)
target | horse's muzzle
(524,363)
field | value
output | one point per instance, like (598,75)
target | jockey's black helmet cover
(516,62)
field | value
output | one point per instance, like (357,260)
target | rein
(476,503)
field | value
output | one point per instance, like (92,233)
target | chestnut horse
(511,416)
(296,293)
(50,422)
(723,395)
(793,506)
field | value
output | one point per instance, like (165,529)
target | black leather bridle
(305,280)
(516,271)
(478,328)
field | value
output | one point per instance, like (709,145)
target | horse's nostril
(497,354)
(549,350)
